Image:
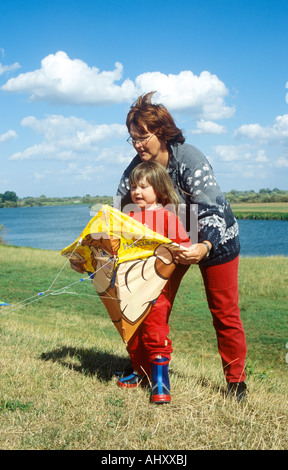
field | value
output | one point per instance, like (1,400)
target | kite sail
(129,265)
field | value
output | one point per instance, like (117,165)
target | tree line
(264,195)
(10,198)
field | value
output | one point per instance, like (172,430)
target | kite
(128,263)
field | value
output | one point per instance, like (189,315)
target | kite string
(59,273)
(61,290)
(46,293)
(66,261)
(25,302)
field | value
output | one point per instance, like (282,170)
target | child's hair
(157,176)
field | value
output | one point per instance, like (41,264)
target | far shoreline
(242,211)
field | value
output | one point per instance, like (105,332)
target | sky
(70,70)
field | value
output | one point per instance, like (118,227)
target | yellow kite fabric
(129,265)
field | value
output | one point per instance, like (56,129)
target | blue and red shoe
(132,381)
(160,381)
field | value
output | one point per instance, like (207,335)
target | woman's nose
(137,143)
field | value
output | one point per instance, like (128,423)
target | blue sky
(69,71)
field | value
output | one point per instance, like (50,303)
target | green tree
(9,196)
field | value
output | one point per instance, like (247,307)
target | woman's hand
(193,254)
(78,265)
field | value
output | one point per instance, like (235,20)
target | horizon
(69,72)
(264,191)
(111,195)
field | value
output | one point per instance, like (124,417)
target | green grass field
(267,210)
(58,354)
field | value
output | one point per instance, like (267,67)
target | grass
(58,353)
(264,211)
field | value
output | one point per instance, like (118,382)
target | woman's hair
(155,118)
(157,176)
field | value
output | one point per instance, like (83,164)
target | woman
(155,137)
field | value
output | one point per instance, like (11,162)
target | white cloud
(255,172)
(9,135)
(43,151)
(73,132)
(73,171)
(208,127)
(71,81)
(282,162)
(202,96)
(38,176)
(61,79)
(232,153)
(244,161)
(277,133)
(65,138)
(261,156)
(82,172)
(8,68)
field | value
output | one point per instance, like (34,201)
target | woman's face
(150,147)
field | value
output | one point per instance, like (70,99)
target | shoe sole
(160,399)
(122,385)
(142,382)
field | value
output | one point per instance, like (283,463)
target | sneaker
(237,390)
(131,381)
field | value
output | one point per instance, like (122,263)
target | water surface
(54,227)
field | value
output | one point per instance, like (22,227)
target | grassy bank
(58,352)
(261,211)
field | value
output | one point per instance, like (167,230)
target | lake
(55,227)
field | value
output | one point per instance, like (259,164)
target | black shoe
(237,390)
(127,371)
(131,381)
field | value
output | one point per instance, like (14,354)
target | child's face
(143,194)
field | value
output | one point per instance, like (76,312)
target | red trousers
(221,285)
(151,338)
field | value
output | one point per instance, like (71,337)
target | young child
(150,348)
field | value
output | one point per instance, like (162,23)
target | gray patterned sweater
(195,184)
